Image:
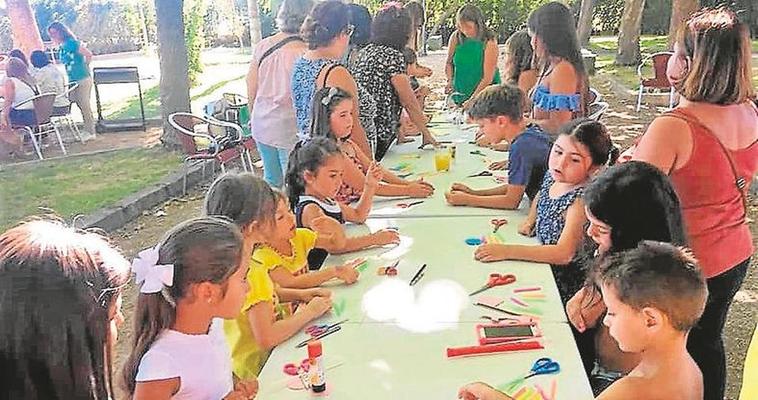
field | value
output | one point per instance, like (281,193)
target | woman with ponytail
(194,278)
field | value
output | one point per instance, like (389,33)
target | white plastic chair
(43,110)
(67,118)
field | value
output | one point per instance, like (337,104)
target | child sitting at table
(331,117)
(187,285)
(261,322)
(285,252)
(557,214)
(650,319)
(497,111)
(314,177)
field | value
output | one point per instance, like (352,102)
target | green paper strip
(338,306)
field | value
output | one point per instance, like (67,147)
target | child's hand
(481,391)
(243,390)
(318,306)
(325,224)
(385,236)
(457,198)
(498,165)
(482,140)
(460,187)
(309,294)
(491,252)
(419,190)
(527,227)
(347,273)
(373,175)
(584,312)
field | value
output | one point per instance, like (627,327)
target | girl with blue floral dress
(557,214)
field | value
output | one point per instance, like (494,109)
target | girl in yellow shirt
(251,204)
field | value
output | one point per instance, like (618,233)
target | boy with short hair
(498,112)
(654,294)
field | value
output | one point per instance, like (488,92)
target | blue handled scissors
(544,366)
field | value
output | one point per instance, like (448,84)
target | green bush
(193,36)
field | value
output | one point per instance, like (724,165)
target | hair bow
(151,276)
(328,98)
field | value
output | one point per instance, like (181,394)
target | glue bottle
(316,371)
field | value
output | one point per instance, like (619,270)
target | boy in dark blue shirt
(498,112)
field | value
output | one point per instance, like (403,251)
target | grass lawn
(606,46)
(80,185)
(129,108)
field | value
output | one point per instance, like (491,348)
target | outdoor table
(394,342)
(383,361)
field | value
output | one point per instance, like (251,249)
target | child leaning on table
(557,216)
(314,177)
(260,321)
(650,319)
(497,111)
(188,283)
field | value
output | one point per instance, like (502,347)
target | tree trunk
(629,33)
(255,22)
(680,10)
(23,26)
(585,22)
(172,53)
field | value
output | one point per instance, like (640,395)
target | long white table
(393,345)
(421,164)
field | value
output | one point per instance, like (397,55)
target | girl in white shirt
(194,278)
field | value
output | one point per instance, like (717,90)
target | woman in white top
(50,80)
(269,86)
(19,86)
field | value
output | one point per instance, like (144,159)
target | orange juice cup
(442,160)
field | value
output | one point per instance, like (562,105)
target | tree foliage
(193,36)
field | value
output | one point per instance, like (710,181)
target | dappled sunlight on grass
(80,185)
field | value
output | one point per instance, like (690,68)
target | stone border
(129,208)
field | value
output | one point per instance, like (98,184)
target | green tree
(193,36)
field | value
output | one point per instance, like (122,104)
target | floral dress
(551,219)
(374,68)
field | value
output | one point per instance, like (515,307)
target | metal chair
(57,118)
(43,110)
(659,79)
(220,147)
(596,110)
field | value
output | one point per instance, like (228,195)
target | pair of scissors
(497,223)
(477,153)
(408,205)
(318,330)
(483,173)
(389,271)
(292,369)
(544,366)
(496,279)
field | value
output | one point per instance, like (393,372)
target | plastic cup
(442,160)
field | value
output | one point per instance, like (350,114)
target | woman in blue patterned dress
(327,32)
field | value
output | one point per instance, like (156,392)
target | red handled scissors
(495,280)
(292,369)
(318,330)
(497,223)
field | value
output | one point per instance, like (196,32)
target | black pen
(417,277)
